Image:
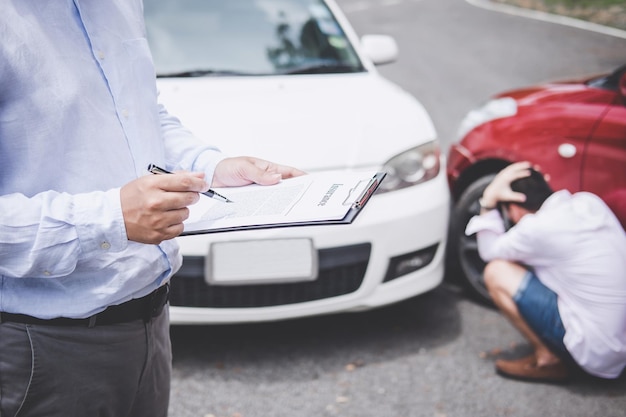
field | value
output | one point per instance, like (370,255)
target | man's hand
(244,170)
(499,190)
(155,206)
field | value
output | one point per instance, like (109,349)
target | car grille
(341,271)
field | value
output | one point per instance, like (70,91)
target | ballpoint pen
(210,193)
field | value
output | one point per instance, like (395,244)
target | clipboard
(353,204)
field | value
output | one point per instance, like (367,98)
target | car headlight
(494,109)
(411,167)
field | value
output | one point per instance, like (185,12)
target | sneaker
(526,369)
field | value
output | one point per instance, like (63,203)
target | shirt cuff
(99,221)
(490,220)
(207,161)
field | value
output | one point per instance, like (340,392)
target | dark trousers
(119,370)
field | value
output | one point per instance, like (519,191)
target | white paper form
(318,197)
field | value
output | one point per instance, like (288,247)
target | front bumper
(403,232)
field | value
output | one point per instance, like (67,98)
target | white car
(289,81)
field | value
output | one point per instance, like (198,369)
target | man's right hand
(155,206)
(499,190)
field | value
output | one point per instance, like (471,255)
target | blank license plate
(261,261)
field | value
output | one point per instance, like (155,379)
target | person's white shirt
(577,248)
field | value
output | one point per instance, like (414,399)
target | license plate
(261,262)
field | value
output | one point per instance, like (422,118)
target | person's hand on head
(155,206)
(244,170)
(499,190)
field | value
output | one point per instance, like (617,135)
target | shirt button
(47,273)
(105,245)
(125,113)
(100,54)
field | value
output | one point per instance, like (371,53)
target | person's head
(535,188)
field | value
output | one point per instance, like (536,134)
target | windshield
(191,38)
(609,82)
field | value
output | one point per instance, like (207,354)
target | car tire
(463,258)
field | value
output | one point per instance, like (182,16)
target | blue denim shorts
(537,304)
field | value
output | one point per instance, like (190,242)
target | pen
(212,194)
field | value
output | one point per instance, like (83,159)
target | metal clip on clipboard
(367,192)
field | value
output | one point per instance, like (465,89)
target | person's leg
(503,280)
(153,394)
(119,370)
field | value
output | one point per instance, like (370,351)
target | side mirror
(622,85)
(380,49)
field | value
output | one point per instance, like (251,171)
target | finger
(519,174)
(158,226)
(515,197)
(170,232)
(517,169)
(176,216)
(511,173)
(180,181)
(271,169)
(172,200)
(246,170)
(260,171)
(173,231)
(264,177)
(262,164)
(521,165)
(289,172)
(171,223)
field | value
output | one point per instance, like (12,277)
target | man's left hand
(244,170)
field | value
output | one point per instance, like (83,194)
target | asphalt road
(432,355)
(453,55)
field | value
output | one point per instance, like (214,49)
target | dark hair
(535,188)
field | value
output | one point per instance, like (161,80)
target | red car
(575,131)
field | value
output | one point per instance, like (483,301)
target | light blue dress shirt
(79,118)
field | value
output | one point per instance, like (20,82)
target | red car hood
(570,92)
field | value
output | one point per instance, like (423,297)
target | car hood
(311,122)
(566,92)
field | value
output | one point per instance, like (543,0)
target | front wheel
(463,250)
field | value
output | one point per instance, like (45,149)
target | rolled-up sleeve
(47,235)
(488,228)
(528,241)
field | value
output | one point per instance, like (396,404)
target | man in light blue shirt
(86,246)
